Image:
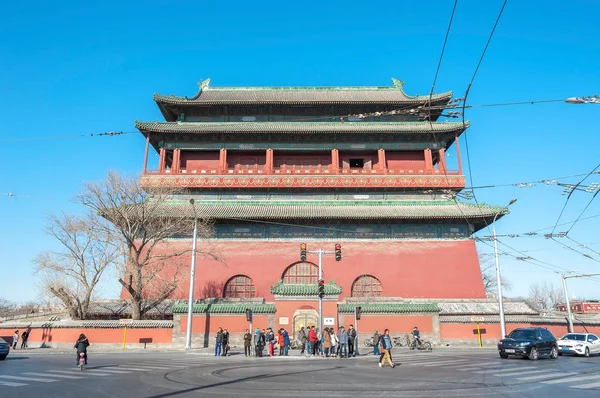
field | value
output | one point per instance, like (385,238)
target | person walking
(386,349)
(24,338)
(376,343)
(334,343)
(326,342)
(225,344)
(286,342)
(218,342)
(351,341)
(343,339)
(247,343)
(15,339)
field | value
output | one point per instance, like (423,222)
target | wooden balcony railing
(309,170)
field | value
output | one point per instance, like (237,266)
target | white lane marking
(544,376)
(125,367)
(88,372)
(28,379)
(527,372)
(11,384)
(52,375)
(571,379)
(149,366)
(510,369)
(585,386)
(446,363)
(109,370)
(485,366)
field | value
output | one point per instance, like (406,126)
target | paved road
(444,372)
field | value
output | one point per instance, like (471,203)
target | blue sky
(72,68)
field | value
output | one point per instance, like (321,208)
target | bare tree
(6,307)
(488,274)
(545,296)
(154,263)
(72,274)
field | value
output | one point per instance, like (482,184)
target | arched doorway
(305,317)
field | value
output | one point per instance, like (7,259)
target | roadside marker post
(125,322)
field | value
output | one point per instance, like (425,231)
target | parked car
(4,349)
(579,344)
(528,343)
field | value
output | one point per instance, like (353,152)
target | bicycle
(423,345)
(401,341)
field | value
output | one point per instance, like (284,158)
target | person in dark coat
(225,342)
(262,341)
(24,338)
(286,342)
(82,344)
(376,343)
(219,342)
(247,343)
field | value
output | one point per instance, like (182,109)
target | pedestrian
(219,342)
(15,339)
(351,341)
(312,341)
(286,342)
(225,342)
(82,344)
(256,343)
(302,339)
(334,343)
(386,349)
(280,341)
(24,338)
(262,340)
(376,343)
(247,343)
(326,342)
(343,339)
(271,340)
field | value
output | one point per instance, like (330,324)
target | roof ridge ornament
(202,85)
(397,83)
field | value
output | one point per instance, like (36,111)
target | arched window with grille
(301,273)
(366,286)
(240,286)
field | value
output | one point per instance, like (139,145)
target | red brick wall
(465,331)
(405,160)
(396,323)
(409,269)
(95,336)
(299,159)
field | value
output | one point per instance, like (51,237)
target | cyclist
(416,336)
(82,344)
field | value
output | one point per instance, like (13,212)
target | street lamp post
(188,335)
(498,280)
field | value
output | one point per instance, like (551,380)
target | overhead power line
(60,137)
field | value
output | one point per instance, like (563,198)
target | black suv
(528,343)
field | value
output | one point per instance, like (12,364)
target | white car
(579,344)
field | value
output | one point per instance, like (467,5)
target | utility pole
(321,283)
(567,303)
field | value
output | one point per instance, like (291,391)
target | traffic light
(338,252)
(302,251)
(321,288)
(248,314)
(357,313)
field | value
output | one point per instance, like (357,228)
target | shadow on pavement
(225,383)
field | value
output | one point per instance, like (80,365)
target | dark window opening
(357,163)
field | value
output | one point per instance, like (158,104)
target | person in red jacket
(312,337)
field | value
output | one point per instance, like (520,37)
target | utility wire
(107,134)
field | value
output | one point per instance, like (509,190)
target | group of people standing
(24,338)
(266,338)
(222,343)
(342,344)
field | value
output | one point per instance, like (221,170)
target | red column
(223,160)
(458,153)
(428,160)
(175,163)
(146,153)
(383,161)
(335,161)
(161,160)
(269,162)
(442,161)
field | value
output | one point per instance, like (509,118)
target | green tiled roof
(300,127)
(329,210)
(252,95)
(382,308)
(283,289)
(229,308)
